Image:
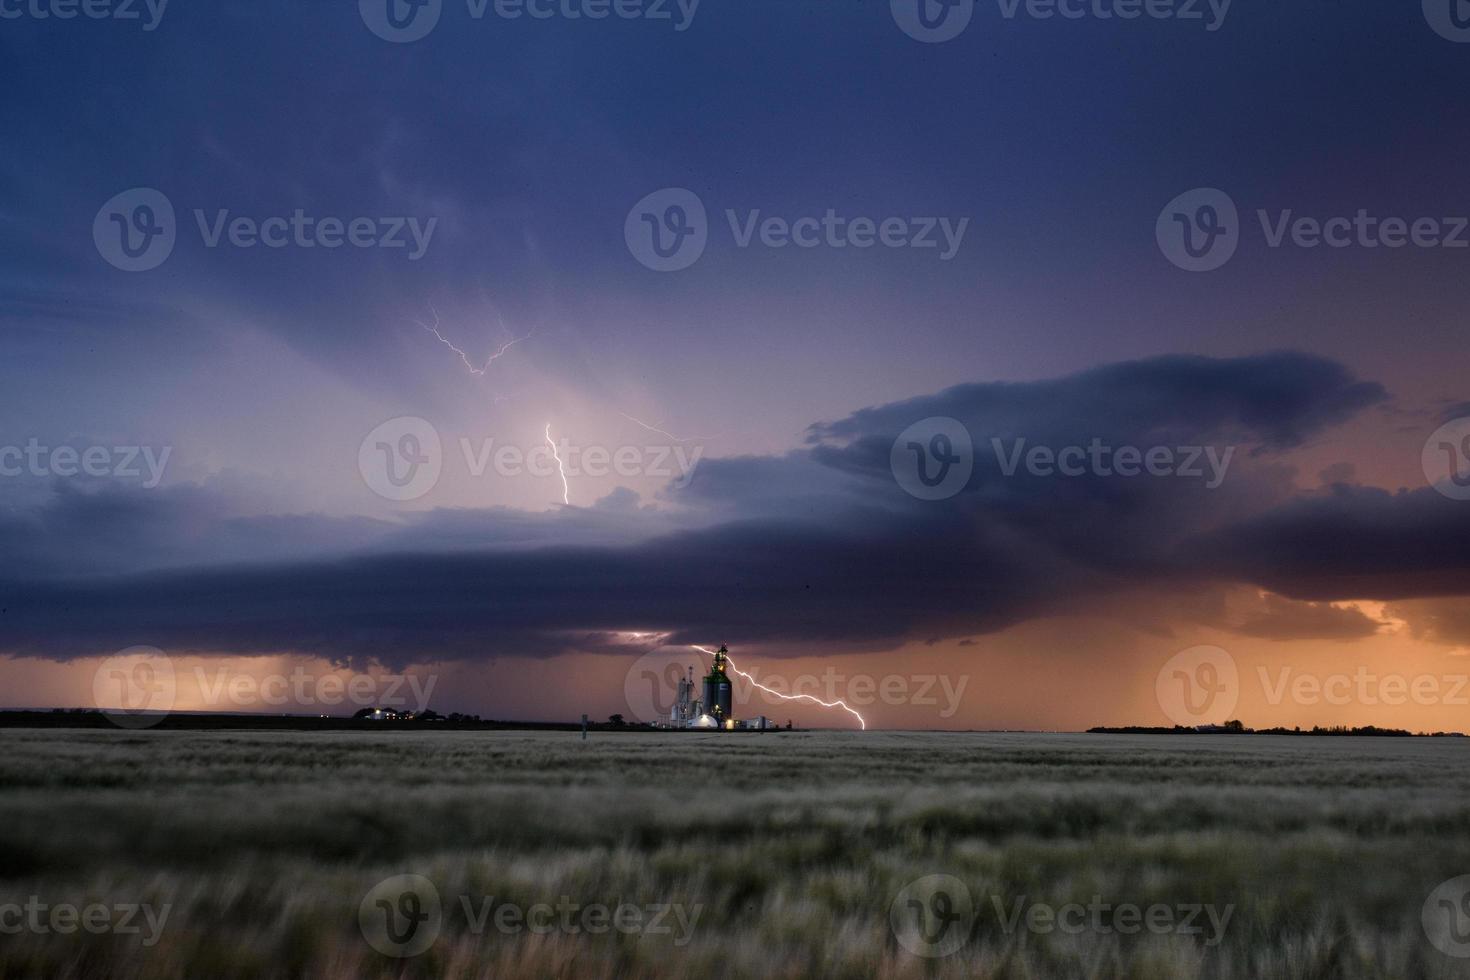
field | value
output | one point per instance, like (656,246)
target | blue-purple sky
(786,373)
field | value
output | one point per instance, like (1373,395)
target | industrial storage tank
(717,690)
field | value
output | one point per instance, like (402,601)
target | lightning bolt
(788,697)
(654,428)
(566,490)
(477,371)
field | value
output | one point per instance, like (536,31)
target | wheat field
(272,854)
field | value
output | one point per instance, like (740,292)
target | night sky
(499,172)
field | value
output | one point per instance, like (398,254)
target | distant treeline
(365,720)
(187,721)
(1236,728)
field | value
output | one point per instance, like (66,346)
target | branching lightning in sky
(477,371)
(566,489)
(670,435)
(788,697)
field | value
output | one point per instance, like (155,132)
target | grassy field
(265,854)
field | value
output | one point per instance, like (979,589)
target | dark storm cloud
(858,561)
(775,582)
(1276,401)
(1244,609)
(1247,407)
(1348,542)
(1445,621)
(113,531)
(1282,619)
(110,531)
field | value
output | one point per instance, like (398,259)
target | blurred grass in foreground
(264,844)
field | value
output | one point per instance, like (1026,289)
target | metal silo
(717,691)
